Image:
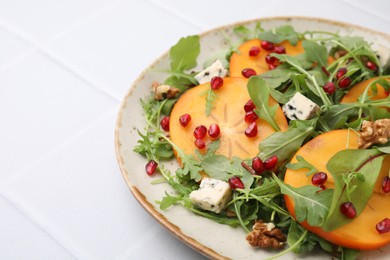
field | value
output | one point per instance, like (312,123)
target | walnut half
(162,91)
(265,235)
(376,132)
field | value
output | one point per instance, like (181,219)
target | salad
(284,135)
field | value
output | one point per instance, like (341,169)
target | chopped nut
(162,91)
(265,235)
(377,132)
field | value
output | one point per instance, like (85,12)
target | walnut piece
(162,91)
(377,132)
(265,235)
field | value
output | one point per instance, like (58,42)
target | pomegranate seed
(386,184)
(322,186)
(249,106)
(257,165)
(329,88)
(270,59)
(271,162)
(268,46)
(214,130)
(251,117)
(272,66)
(151,167)
(251,130)
(184,120)
(200,144)
(324,70)
(387,93)
(371,65)
(248,72)
(345,82)
(383,226)
(319,178)
(280,50)
(200,132)
(216,82)
(254,51)
(164,123)
(341,72)
(236,183)
(348,209)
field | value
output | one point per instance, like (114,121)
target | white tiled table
(64,68)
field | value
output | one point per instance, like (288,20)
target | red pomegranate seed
(214,130)
(184,120)
(322,186)
(268,46)
(248,72)
(216,82)
(341,72)
(254,51)
(387,93)
(383,226)
(200,132)
(386,184)
(348,209)
(151,167)
(272,66)
(200,144)
(249,106)
(319,178)
(251,117)
(270,59)
(257,165)
(280,50)
(271,162)
(329,88)
(251,130)
(164,123)
(236,183)
(371,65)
(345,82)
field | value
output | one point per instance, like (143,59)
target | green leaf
(311,203)
(259,93)
(210,100)
(236,168)
(181,83)
(336,116)
(302,164)
(216,166)
(168,201)
(384,149)
(279,34)
(184,54)
(276,77)
(366,163)
(316,53)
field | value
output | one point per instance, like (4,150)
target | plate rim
(139,196)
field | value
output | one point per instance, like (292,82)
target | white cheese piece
(300,107)
(215,69)
(212,195)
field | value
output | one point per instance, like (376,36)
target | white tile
(41,105)
(11,47)
(22,239)
(42,19)
(116,46)
(79,191)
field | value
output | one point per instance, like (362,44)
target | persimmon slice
(241,60)
(354,93)
(228,113)
(360,233)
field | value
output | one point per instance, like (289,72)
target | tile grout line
(61,240)
(65,142)
(362,8)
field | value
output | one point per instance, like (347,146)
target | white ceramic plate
(214,240)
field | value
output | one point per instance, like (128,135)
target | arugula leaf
(259,93)
(184,54)
(365,162)
(311,203)
(210,99)
(336,116)
(216,166)
(279,34)
(276,77)
(302,164)
(315,53)
(236,168)
(168,201)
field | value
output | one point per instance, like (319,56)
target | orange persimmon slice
(354,93)
(360,233)
(242,60)
(228,113)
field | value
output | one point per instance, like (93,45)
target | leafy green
(366,163)
(259,93)
(184,54)
(210,100)
(302,164)
(279,34)
(216,166)
(315,53)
